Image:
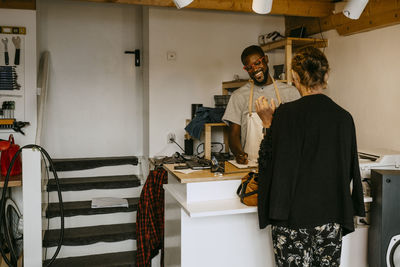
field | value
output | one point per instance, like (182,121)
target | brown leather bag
(248,189)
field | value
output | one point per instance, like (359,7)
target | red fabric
(6,157)
(150,219)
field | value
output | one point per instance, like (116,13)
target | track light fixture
(354,8)
(182,3)
(262,6)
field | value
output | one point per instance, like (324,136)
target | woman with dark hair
(309,179)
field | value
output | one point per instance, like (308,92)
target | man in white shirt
(245,127)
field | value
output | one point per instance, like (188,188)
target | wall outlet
(170,138)
(171,55)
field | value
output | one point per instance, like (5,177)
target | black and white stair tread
(81,236)
(118,259)
(85,208)
(100,182)
(76,164)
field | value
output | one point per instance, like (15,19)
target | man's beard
(263,82)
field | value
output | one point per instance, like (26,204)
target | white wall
(208,45)
(95,92)
(365,79)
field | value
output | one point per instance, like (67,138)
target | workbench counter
(231,173)
(202,193)
(207,225)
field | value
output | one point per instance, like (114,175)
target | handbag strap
(249,194)
(242,187)
(241,191)
(11,139)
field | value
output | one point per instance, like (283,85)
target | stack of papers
(109,202)
(186,171)
(250,164)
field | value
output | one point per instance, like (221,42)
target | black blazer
(308,167)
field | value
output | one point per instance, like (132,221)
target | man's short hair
(251,50)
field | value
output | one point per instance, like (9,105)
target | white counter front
(206,225)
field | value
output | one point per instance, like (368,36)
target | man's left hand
(265,110)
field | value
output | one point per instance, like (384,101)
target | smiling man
(245,127)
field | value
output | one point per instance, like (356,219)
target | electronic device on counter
(181,167)
(222,156)
(215,166)
(378,159)
(199,165)
(191,162)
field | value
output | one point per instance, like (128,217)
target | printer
(378,159)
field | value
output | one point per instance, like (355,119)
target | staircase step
(97,248)
(102,171)
(120,259)
(88,195)
(74,164)
(89,235)
(85,208)
(87,183)
(92,220)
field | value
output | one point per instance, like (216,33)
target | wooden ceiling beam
(377,14)
(306,8)
(13,4)
(371,22)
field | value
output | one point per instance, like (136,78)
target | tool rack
(12,76)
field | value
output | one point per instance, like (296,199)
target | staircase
(101,237)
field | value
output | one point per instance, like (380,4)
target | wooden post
(207,141)
(288,57)
(226,138)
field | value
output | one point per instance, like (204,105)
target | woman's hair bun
(311,65)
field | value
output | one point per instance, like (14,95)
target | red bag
(6,157)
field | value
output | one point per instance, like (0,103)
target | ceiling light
(354,8)
(262,6)
(182,3)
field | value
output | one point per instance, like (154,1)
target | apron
(254,133)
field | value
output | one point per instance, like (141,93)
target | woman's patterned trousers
(314,247)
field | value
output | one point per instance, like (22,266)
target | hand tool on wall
(17,125)
(13,124)
(9,78)
(5,42)
(8,108)
(17,43)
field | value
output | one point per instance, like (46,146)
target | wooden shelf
(296,43)
(215,124)
(230,86)
(14,181)
(291,44)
